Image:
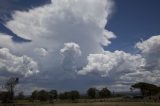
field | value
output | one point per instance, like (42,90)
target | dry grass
(111,104)
(24,103)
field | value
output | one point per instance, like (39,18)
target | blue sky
(132,21)
(79,44)
(7,7)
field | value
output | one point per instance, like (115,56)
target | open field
(93,104)
(112,104)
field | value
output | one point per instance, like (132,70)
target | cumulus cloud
(150,50)
(41,51)
(65,21)
(126,68)
(81,23)
(21,65)
(61,21)
(71,48)
(149,45)
(70,53)
(117,61)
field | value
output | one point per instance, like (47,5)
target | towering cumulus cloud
(69,35)
(70,52)
(60,32)
(62,21)
(81,21)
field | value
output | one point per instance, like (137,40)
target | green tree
(43,95)
(65,95)
(53,95)
(70,95)
(146,89)
(74,95)
(34,95)
(5,97)
(62,96)
(104,93)
(92,92)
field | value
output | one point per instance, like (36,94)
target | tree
(70,95)
(146,88)
(34,95)
(43,95)
(74,95)
(62,96)
(5,97)
(91,92)
(53,94)
(65,95)
(10,85)
(20,96)
(104,93)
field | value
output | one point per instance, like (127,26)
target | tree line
(44,95)
(146,89)
(91,93)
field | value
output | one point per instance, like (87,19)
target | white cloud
(80,21)
(150,45)
(6,40)
(22,65)
(70,53)
(52,25)
(150,49)
(117,61)
(125,68)
(72,49)
(41,51)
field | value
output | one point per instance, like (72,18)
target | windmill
(10,85)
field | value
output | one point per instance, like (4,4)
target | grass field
(111,104)
(95,104)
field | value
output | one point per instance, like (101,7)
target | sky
(77,44)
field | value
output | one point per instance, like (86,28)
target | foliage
(43,95)
(72,95)
(34,95)
(53,94)
(146,88)
(5,97)
(92,92)
(104,93)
